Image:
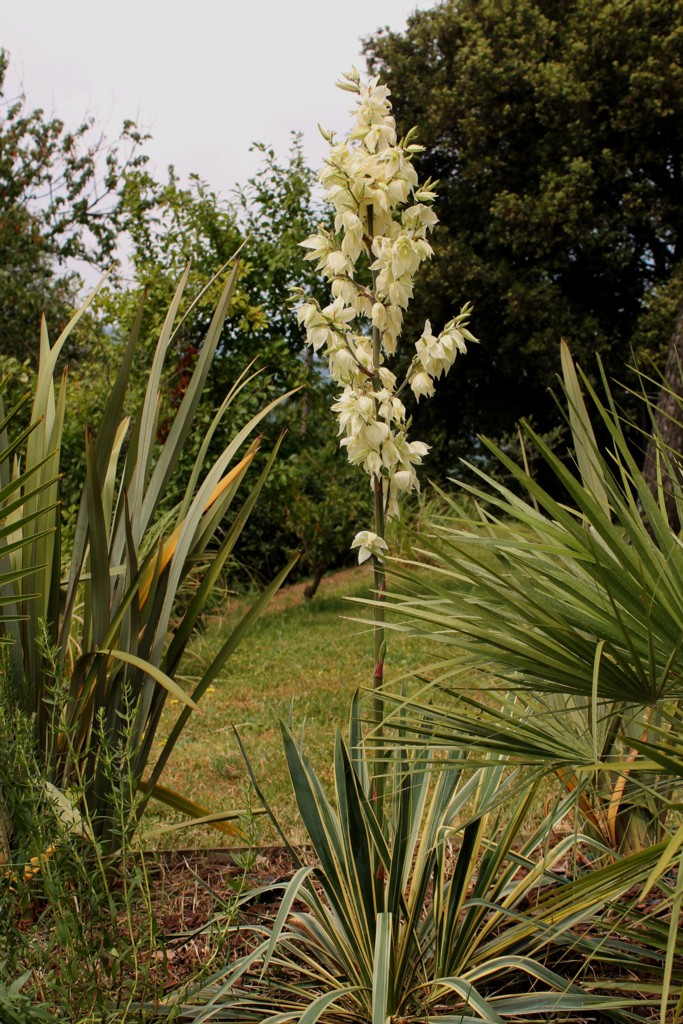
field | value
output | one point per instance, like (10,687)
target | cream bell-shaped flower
(425,348)
(320,246)
(422,385)
(406,480)
(338,315)
(317,327)
(417,451)
(336,264)
(364,353)
(436,355)
(342,364)
(390,408)
(387,378)
(400,292)
(456,336)
(369,545)
(378,315)
(345,289)
(417,219)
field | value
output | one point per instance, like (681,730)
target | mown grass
(304,660)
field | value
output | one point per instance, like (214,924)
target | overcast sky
(206,78)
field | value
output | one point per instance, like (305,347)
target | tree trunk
(311,588)
(668,428)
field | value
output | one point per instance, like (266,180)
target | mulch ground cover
(192,893)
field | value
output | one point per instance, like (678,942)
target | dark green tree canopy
(556,130)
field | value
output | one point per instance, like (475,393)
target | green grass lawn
(303,657)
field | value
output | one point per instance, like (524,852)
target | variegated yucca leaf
(430,909)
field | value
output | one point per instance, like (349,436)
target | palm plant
(575,608)
(96,632)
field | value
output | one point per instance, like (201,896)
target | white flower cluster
(382,216)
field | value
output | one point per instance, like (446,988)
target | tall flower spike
(381,219)
(382,215)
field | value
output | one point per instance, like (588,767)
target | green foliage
(61,197)
(597,577)
(171,226)
(106,605)
(327,506)
(556,131)
(78,941)
(276,210)
(14,484)
(83,936)
(314,500)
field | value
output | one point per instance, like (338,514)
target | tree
(556,130)
(171,225)
(277,209)
(60,200)
(66,196)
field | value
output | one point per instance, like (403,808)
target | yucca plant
(429,910)
(105,608)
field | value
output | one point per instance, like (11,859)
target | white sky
(206,78)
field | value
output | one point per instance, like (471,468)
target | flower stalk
(379,640)
(382,216)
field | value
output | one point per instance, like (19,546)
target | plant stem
(380,586)
(379,573)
